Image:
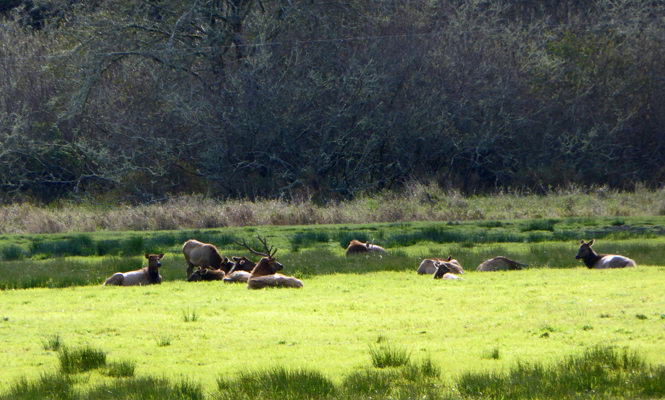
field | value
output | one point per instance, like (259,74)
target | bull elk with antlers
(265,274)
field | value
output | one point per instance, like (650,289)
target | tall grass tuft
(189,316)
(52,386)
(146,388)
(13,252)
(308,239)
(122,369)
(600,370)
(53,342)
(387,355)
(277,383)
(73,361)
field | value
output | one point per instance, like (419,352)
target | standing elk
(202,255)
(428,266)
(145,276)
(601,261)
(358,247)
(499,264)
(265,273)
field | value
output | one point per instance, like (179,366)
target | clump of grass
(387,355)
(74,361)
(539,225)
(600,370)
(52,386)
(13,252)
(189,316)
(277,383)
(308,239)
(53,342)
(122,369)
(641,316)
(163,340)
(493,354)
(147,388)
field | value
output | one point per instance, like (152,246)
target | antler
(268,252)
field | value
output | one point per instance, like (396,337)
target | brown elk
(444,269)
(428,266)
(601,261)
(499,264)
(241,271)
(145,276)
(206,274)
(358,247)
(199,254)
(265,273)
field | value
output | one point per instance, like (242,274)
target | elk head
(268,265)
(585,250)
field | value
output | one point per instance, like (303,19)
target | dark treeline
(139,100)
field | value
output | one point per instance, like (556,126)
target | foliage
(326,101)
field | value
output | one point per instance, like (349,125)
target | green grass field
(210,334)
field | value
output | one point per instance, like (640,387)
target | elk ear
(582,242)
(591,242)
(235,258)
(450,258)
(160,256)
(147,256)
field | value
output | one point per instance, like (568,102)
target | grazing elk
(499,264)
(206,274)
(428,266)
(358,247)
(444,269)
(601,261)
(145,276)
(265,273)
(199,254)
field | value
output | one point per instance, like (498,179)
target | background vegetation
(113,100)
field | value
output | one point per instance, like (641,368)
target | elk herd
(204,263)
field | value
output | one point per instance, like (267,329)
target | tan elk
(145,276)
(499,264)
(601,261)
(358,247)
(202,255)
(265,273)
(428,266)
(444,269)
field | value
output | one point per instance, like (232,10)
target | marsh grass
(13,252)
(52,342)
(601,370)
(189,316)
(386,355)
(121,369)
(163,341)
(74,361)
(277,383)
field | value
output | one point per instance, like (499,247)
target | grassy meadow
(360,328)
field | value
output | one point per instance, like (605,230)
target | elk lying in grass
(444,269)
(601,261)
(428,266)
(202,255)
(241,271)
(358,247)
(265,273)
(499,264)
(206,274)
(145,276)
